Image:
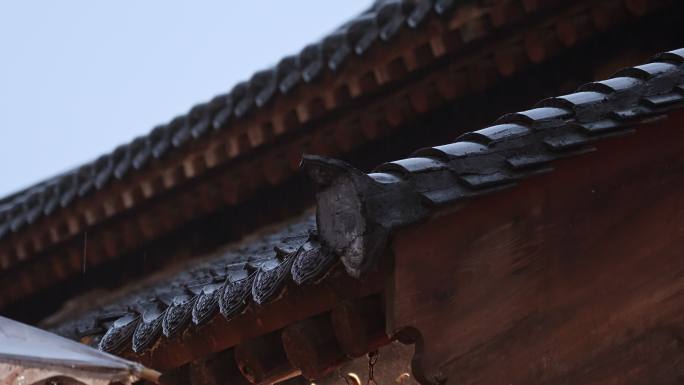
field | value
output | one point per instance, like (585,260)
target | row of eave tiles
(379,23)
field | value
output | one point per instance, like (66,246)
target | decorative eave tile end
(355,213)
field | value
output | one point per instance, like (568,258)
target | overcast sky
(78,78)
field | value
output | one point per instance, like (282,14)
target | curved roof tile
(254,272)
(381,21)
(521,145)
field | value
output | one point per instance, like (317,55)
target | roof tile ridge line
(140,329)
(357,212)
(180,129)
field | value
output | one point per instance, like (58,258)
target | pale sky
(77,78)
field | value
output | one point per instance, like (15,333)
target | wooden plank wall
(575,277)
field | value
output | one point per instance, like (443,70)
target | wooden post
(263,361)
(360,325)
(311,346)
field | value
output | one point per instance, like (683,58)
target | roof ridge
(519,145)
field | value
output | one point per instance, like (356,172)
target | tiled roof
(358,211)
(381,22)
(253,272)
(453,55)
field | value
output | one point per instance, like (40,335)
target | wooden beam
(262,360)
(217,369)
(360,325)
(311,346)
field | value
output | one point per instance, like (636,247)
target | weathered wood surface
(360,325)
(575,277)
(262,360)
(217,369)
(311,346)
